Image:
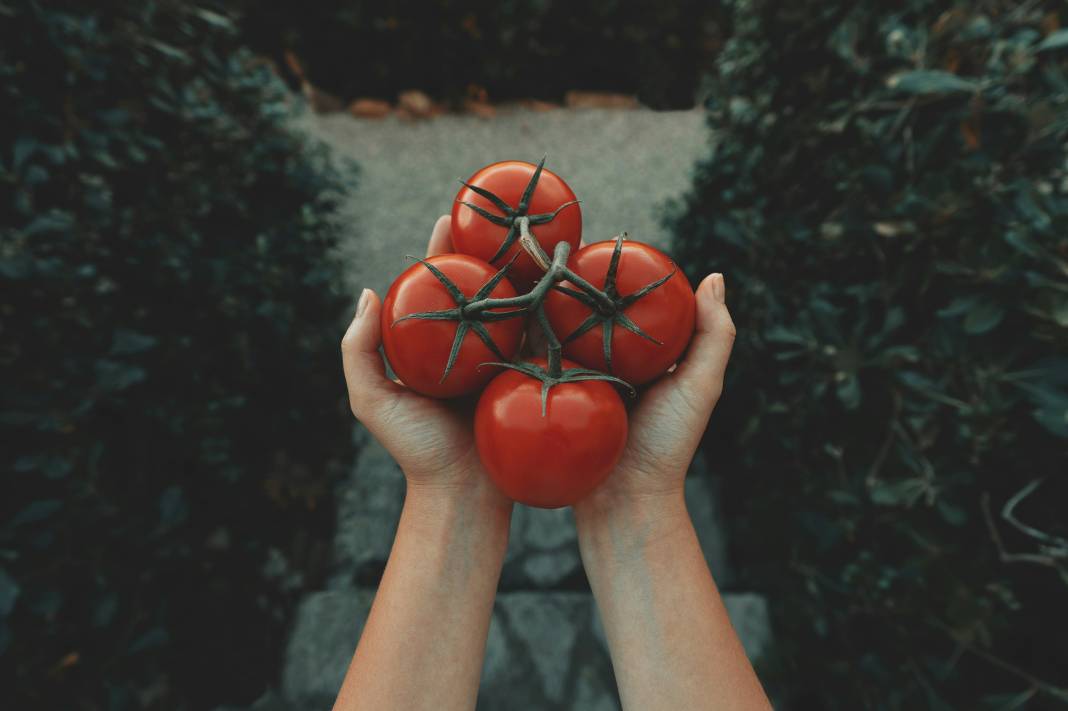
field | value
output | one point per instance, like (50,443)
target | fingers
(440,237)
(701,372)
(365,374)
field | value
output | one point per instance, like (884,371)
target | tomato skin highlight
(418,349)
(667,313)
(552,460)
(473,234)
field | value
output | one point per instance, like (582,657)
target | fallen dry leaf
(600,100)
(416,103)
(370,108)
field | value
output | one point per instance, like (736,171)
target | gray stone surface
(271,700)
(702,501)
(542,549)
(324,636)
(540,654)
(623,165)
(369,506)
(545,649)
(590,692)
(750,617)
(550,567)
(542,529)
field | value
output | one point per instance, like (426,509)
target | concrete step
(542,548)
(545,650)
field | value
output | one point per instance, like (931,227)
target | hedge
(522,49)
(887,194)
(172,405)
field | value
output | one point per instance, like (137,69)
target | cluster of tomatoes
(614,314)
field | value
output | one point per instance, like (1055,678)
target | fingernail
(361,305)
(719,290)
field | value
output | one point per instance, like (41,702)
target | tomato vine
(607,305)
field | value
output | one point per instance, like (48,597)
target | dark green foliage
(171,396)
(887,194)
(529,48)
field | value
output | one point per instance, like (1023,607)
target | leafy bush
(171,399)
(887,193)
(521,49)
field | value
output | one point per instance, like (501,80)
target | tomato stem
(530,245)
(529,302)
(606,306)
(601,300)
(555,349)
(570,375)
(525,303)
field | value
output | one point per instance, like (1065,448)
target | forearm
(424,641)
(671,642)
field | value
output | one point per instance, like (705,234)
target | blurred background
(193,192)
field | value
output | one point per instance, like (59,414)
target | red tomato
(554,459)
(418,349)
(480,237)
(666,313)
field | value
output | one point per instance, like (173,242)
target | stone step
(368,509)
(542,548)
(545,650)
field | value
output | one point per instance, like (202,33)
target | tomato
(666,313)
(483,237)
(418,349)
(554,459)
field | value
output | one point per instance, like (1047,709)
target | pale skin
(671,643)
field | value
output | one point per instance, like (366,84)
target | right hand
(668,422)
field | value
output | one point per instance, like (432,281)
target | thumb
(365,374)
(701,372)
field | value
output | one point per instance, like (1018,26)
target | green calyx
(611,314)
(511,215)
(473,323)
(567,375)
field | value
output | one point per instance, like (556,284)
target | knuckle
(355,404)
(360,400)
(715,391)
(368,401)
(729,329)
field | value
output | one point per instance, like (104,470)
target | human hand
(432,440)
(669,635)
(669,420)
(450,543)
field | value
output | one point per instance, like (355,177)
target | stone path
(546,647)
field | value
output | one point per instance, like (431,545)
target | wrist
(622,527)
(474,502)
